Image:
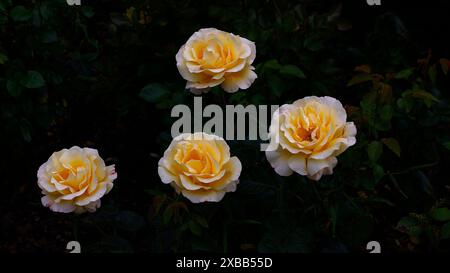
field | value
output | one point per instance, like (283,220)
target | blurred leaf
(119,19)
(129,220)
(25,129)
(20,13)
(49,36)
(292,70)
(276,85)
(363,68)
(87,11)
(441,214)
(286,241)
(200,220)
(432,73)
(195,228)
(393,145)
(410,225)
(445,232)
(360,78)
(14,89)
(153,92)
(378,172)
(424,182)
(444,65)
(405,74)
(32,79)
(313,42)
(272,64)
(421,94)
(3,58)
(374,150)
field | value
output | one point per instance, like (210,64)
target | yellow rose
(74,180)
(212,57)
(200,167)
(306,137)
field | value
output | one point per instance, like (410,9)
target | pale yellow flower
(199,166)
(212,57)
(306,137)
(74,180)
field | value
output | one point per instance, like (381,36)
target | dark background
(109,82)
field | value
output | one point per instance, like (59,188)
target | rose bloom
(306,137)
(212,57)
(200,167)
(74,180)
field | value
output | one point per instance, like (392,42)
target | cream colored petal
(63,206)
(240,65)
(204,85)
(97,194)
(240,80)
(188,183)
(339,115)
(279,160)
(70,196)
(91,207)
(317,167)
(165,175)
(252,47)
(233,170)
(211,179)
(44,180)
(200,196)
(297,163)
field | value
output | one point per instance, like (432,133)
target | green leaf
(360,78)
(410,225)
(425,183)
(445,232)
(153,92)
(25,129)
(87,11)
(272,64)
(276,85)
(195,228)
(432,73)
(129,220)
(4,4)
(444,65)
(313,42)
(20,13)
(3,58)
(386,112)
(32,79)
(441,214)
(404,74)
(421,94)
(378,172)
(393,145)
(200,220)
(49,36)
(14,89)
(446,145)
(3,18)
(374,150)
(292,70)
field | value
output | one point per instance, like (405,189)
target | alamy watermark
(237,122)
(73,2)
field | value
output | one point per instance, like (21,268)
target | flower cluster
(305,136)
